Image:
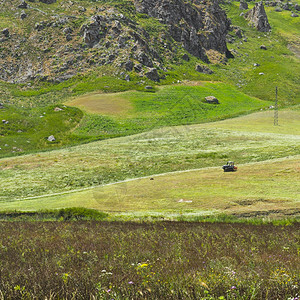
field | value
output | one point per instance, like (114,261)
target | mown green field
(161,151)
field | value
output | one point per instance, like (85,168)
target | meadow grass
(162,260)
(155,152)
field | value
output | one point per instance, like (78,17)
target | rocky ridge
(55,40)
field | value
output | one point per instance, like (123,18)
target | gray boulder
(212,100)
(93,32)
(1,105)
(152,75)
(203,69)
(144,59)
(185,57)
(258,17)
(23,4)
(23,15)
(5,32)
(51,138)
(243,5)
(294,15)
(128,65)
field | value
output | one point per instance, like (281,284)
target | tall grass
(164,260)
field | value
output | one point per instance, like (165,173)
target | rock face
(56,47)
(258,17)
(196,26)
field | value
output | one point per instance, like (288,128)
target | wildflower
(130,282)
(233,287)
(108,291)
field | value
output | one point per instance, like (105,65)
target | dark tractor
(229,167)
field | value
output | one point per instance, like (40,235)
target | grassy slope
(280,66)
(270,186)
(132,112)
(163,150)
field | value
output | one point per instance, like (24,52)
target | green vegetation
(155,152)
(163,260)
(27,129)
(63,214)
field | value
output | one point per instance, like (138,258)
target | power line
(276,110)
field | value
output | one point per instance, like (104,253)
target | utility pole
(276,110)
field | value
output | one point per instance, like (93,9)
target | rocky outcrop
(93,32)
(196,26)
(243,5)
(258,17)
(203,69)
(152,75)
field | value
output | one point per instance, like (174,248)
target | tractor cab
(229,167)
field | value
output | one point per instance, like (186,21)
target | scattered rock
(127,78)
(297,7)
(40,26)
(58,109)
(5,32)
(149,87)
(263,47)
(185,57)
(258,17)
(256,65)
(293,15)
(1,105)
(68,37)
(23,15)
(152,75)
(23,5)
(212,100)
(128,65)
(138,67)
(81,9)
(5,122)
(243,5)
(67,30)
(286,6)
(93,32)
(203,69)
(278,9)
(51,138)
(261,73)
(238,33)
(144,59)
